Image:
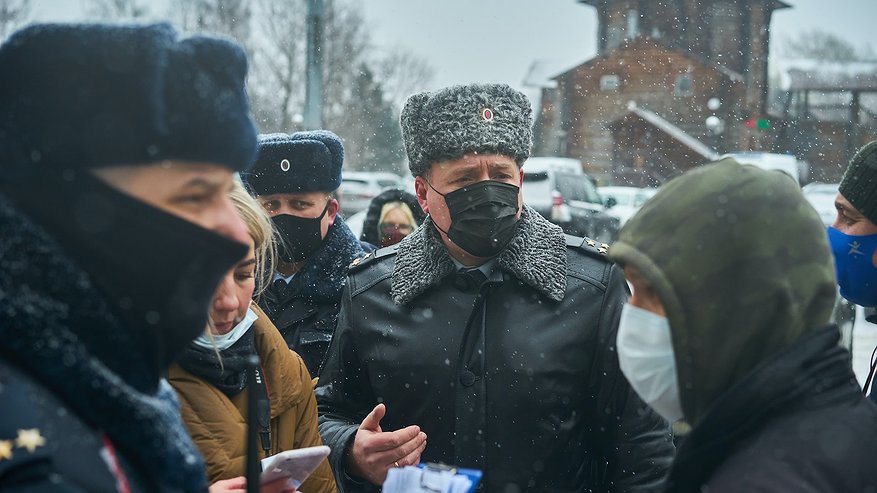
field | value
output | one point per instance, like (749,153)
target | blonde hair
(261,229)
(390,207)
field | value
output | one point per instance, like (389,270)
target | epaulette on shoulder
(591,247)
(370,258)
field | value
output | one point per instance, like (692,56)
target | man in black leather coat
(485,339)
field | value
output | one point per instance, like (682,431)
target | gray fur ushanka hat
(458,120)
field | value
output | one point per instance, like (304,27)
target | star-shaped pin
(5,449)
(591,242)
(604,245)
(29,439)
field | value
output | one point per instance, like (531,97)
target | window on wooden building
(609,83)
(683,85)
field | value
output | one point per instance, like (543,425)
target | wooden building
(829,111)
(684,61)
(576,116)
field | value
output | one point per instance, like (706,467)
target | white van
(556,164)
(786,163)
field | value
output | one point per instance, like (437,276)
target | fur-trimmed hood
(322,277)
(46,304)
(536,255)
(373,216)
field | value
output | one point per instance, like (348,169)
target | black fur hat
(93,95)
(299,162)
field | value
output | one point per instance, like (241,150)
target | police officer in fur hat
(485,339)
(118,144)
(294,179)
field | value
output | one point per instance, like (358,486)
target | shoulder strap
(593,248)
(360,263)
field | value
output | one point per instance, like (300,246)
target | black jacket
(74,456)
(797,423)
(373,216)
(517,377)
(306,310)
(75,409)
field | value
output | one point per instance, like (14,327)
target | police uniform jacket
(516,375)
(68,422)
(305,309)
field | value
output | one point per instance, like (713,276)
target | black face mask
(483,216)
(158,271)
(300,236)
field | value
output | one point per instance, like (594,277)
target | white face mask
(224,341)
(645,354)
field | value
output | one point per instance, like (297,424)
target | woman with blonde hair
(210,376)
(391,216)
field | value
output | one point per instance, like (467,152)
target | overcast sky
(497,40)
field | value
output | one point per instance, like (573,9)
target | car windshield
(577,187)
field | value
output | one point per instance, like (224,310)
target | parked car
(786,163)
(821,196)
(623,202)
(560,191)
(358,188)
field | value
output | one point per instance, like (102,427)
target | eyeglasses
(390,227)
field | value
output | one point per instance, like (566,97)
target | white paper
(410,479)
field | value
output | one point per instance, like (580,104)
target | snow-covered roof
(632,43)
(542,72)
(672,130)
(816,75)
(775,4)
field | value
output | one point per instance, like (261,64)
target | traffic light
(758,123)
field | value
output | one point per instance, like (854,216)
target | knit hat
(859,184)
(300,162)
(458,120)
(78,96)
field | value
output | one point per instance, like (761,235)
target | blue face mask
(856,274)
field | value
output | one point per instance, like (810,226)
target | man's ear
(420,189)
(332,211)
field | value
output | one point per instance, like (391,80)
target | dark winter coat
(747,283)
(217,422)
(305,310)
(97,430)
(373,216)
(517,377)
(797,423)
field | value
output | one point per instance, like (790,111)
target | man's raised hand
(375,451)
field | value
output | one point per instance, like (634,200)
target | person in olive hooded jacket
(728,329)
